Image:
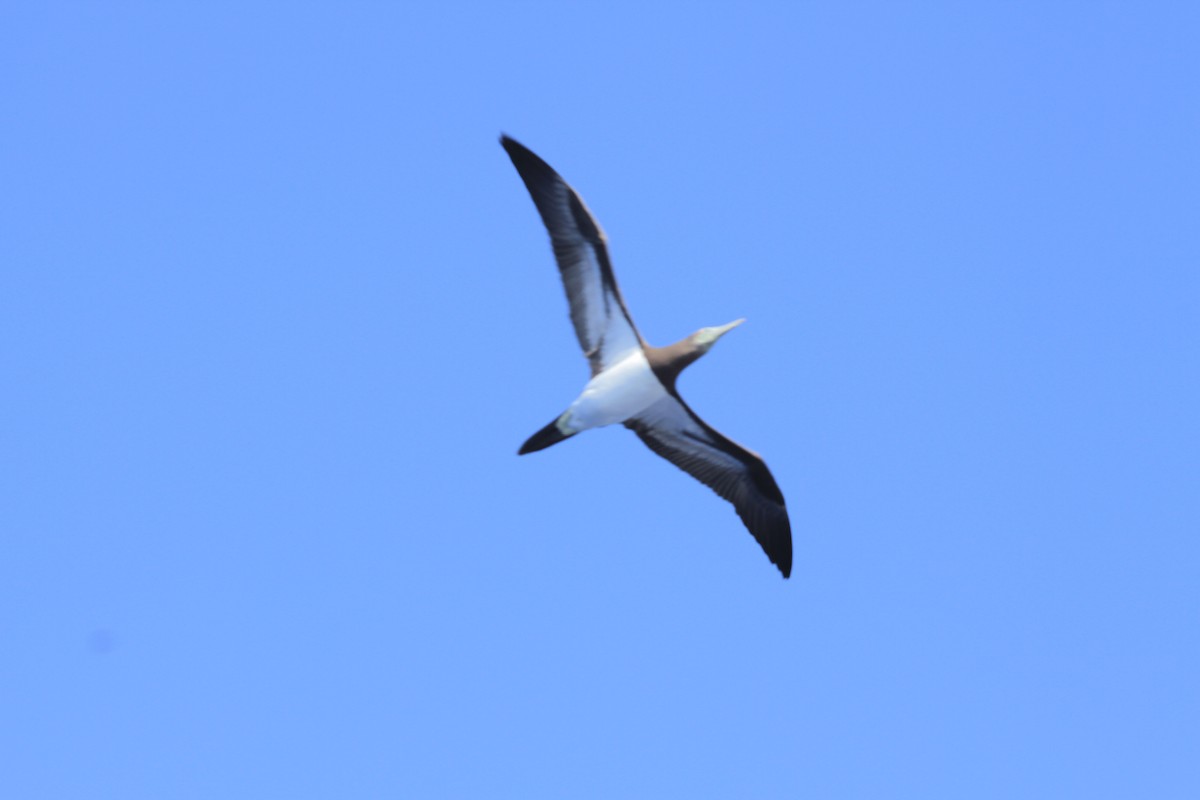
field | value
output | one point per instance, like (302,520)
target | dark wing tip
(772,530)
(766,516)
(768,521)
(783,558)
(527,162)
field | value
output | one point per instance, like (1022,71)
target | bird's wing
(602,323)
(673,430)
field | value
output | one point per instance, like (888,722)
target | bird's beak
(724,329)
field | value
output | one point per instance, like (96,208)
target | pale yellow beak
(707,337)
(721,330)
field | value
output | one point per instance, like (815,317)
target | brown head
(667,362)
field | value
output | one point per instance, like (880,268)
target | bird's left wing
(673,431)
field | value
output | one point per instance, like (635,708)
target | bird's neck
(667,362)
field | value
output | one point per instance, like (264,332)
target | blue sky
(276,313)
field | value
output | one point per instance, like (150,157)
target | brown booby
(632,382)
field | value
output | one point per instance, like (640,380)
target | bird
(634,383)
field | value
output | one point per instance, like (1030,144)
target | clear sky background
(276,312)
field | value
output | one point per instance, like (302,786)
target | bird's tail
(549,435)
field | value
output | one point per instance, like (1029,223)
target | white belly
(616,394)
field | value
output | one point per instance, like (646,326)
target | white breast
(615,395)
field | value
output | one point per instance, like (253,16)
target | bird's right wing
(673,430)
(603,325)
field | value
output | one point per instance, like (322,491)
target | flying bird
(632,382)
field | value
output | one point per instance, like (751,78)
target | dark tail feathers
(544,438)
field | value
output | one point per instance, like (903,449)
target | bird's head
(705,338)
